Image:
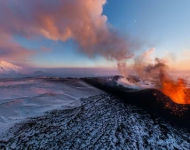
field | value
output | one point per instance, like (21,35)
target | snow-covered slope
(100,122)
(6,67)
(10,70)
(29,97)
(88,119)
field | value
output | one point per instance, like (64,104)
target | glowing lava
(176,90)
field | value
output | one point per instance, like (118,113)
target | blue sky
(162,24)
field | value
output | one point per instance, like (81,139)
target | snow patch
(22,98)
(141,84)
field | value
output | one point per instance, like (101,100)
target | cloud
(80,20)
(11,50)
(149,52)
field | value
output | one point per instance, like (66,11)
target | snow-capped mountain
(9,69)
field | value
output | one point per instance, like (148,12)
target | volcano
(150,99)
(8,69)
(95,120)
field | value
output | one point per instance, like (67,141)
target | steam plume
(151,69)
(157,72)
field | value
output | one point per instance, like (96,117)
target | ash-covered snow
(22,98)
(100,122)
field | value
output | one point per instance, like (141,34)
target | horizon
(79,72)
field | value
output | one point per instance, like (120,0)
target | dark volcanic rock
(151,100)
(116,78)
(101,122)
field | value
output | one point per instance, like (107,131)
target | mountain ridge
(9,70)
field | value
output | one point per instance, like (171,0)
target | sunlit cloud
(80,20)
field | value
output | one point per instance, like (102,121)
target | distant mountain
(10,70)
(40,73)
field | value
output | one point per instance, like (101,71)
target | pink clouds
(12,51)
(80,20)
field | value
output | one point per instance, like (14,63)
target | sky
(93,33)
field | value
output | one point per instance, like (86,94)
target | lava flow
(176,90)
